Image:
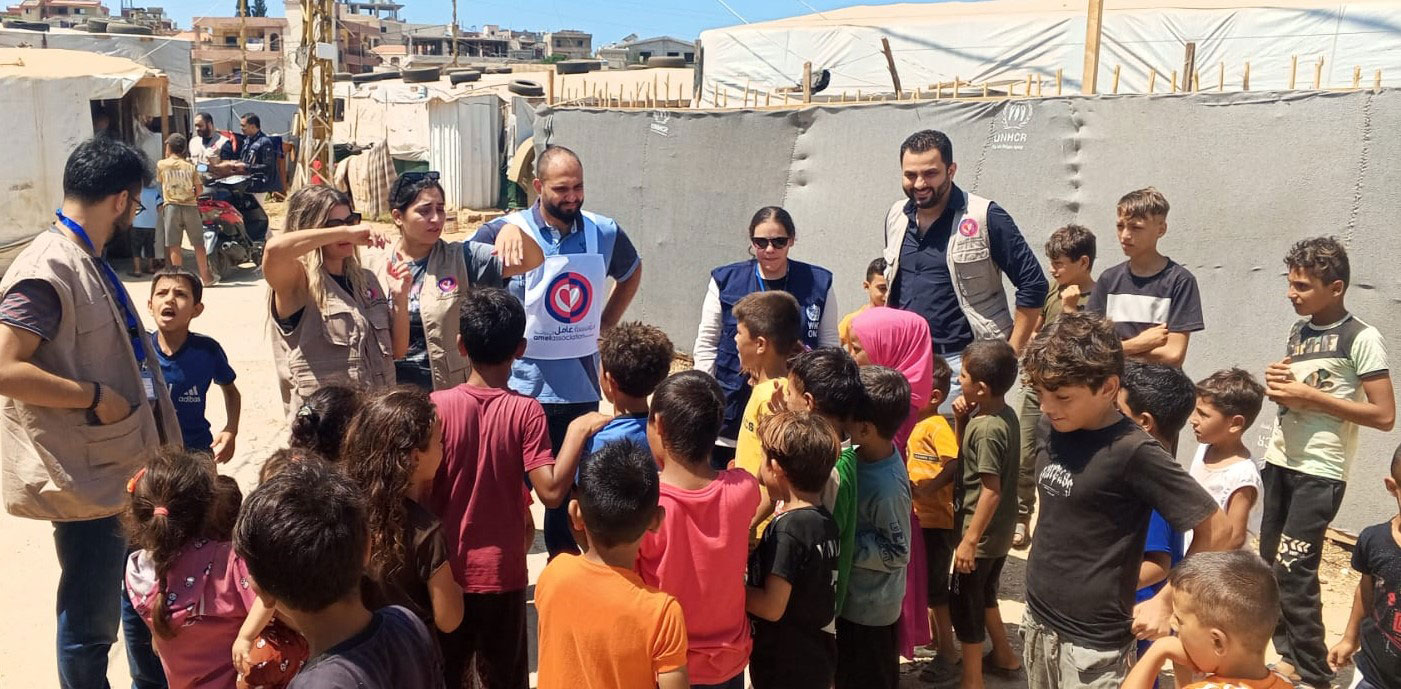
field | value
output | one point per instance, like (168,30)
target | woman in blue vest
(771,237)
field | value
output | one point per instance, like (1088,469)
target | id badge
(148,381)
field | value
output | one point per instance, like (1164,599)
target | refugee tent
(1008,40)
(465,146)
(172,56)
(44,96)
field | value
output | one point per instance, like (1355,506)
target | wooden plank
(1116,78)
(1152,79)
(1318,74)
(1060,73)
(1189,65)
(1245,80)
(165,110)
(1094,28)
(807,82)
(1293,70)
(890,64)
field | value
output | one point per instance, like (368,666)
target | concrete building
(427,45)
(153,18)
(218,59)
(388,11)
(633,50)
(60,13)
(357,37)
(573,45)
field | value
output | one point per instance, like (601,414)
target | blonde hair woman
(333,322)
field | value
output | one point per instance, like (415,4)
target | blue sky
(607,20)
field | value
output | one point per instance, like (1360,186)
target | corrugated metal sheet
(464,145)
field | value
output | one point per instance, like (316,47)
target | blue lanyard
(763,286)
(133,324)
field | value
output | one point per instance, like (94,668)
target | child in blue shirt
(636,358)
(191,363)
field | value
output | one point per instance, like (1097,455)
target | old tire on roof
(97,25)
(28,26)
(525,87)
(464,77)
(666,61)
(342,76)
(422,75)
(497,70)
(129,29)
(572,67)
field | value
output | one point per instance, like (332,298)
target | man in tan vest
(84,405)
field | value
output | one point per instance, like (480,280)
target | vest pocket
(114,447)
(378,316)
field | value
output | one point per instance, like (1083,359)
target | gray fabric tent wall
(1247,174)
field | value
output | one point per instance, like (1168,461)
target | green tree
(256,8)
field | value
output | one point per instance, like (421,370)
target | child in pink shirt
(700,552)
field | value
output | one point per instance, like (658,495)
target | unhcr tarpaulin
(44,98)
(1247,175)
(1011,39)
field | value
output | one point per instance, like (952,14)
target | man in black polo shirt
(941,233)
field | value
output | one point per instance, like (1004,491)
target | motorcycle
(235,226)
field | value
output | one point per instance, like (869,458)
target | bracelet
(96,396)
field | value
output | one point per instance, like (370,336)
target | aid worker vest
(809,284)
(977,281)
(56,465)
(347,342)
(445,285)
(564,297)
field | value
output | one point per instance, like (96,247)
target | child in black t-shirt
(1099,476)
(1372,632)
(792,590)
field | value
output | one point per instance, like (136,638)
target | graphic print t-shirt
(1136,304)
(1377,555)
(189,372)
(1335,359)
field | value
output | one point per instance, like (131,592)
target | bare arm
(769,602)
(1024,324)
(22,380)
(622,295)
(519,253)
(1172,352)
(988,499)
(1378,411)
(223,445)
(446,596)
(259,615)
(553,483)
(1238,515)
(287,276)
(1151,618)
(676,679)
(1154,569)
(1145,672)
(1341,653)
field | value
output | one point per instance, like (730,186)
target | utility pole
(454,33)
(243,48)
(316,107)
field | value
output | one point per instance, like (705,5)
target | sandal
(1021,537)
(989,668)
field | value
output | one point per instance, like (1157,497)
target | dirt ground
(236,316)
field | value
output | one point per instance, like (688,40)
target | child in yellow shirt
(933,446)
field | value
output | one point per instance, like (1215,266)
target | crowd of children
(855,525)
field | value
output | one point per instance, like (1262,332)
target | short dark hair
(547,158)
(1396,465)
(177,143)
(926,140)
(876,268)
(618,490)
(206,117)
(942,375)
(776,214)
(178,273)
(774,316)
(253,119)
(833,379)
(1147,202)
(1164,392)
(1231,590)
(492,325)
(886,402)
(1078,348)
(101,167)
(804,444)
(1324,258)
(691,407)
(992,362)
(637,356)
(303,534)
(1235,392)
(1072,242)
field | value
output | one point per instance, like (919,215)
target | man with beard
(564,302)
(84,405)
(207,142)
(946,251)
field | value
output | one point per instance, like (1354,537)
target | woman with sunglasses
(333,322)
(442,273)
(771,237)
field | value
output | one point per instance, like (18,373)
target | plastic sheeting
(169,55)
(277,116)
(1009,39)
(1247,175)
(44,98)
(465,147)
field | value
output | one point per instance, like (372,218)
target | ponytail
(170,502)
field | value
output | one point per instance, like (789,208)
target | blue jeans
(91,555)
(955,362)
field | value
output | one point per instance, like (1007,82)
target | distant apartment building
(387,11)
(219,60)
(569,43)
(153,18)
(633,50)
(427,45)
(59,13)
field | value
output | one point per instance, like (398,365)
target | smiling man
(938,233)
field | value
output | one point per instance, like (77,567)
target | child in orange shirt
(600,626)
(1225,606)
(933,446)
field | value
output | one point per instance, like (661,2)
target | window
(579,43)
(231,41)
(673,54)
(690,57)
(645,54)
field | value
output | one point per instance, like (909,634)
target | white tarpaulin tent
(44,98)
(1010,39)
(169,55)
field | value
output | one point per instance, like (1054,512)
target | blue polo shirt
(189,372)
(565,381)
(923,284)
(629,427)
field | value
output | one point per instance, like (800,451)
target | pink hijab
(900,340)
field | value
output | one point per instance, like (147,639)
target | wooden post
(165,109)
(768,97)
(1245,80)
(858,95)
(654,90)
(1174,81)
(1028,86)
(1221,78)
(550,93)
(807,82)
(1038,84)
(890,64)
(1116,78)
(1318,74)
(746,94)
(1189,66)
(1357,76)
(1059,74)
(1293,70)
(1094,25)
(1152,79)
(668,87)
(1377,81)
(917,95)
(985,89)
(1196,81)
(243,48)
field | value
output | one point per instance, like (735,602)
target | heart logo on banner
(568,298)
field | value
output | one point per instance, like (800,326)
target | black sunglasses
(408,179)
(764,242)
(347,221)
